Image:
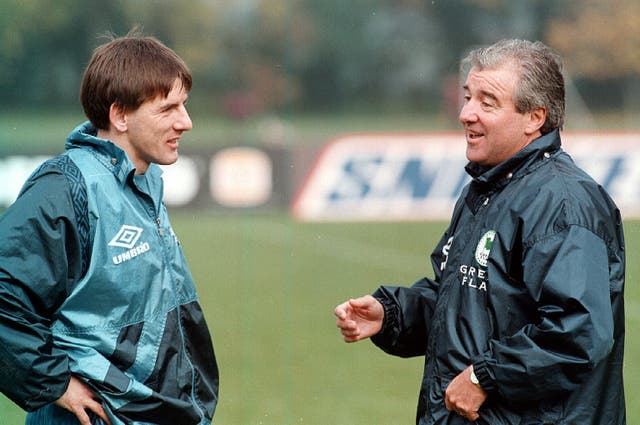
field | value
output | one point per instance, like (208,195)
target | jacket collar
(519,164)
(112,156)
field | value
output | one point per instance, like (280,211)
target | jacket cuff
(50,392)
(483,373)
(390,324)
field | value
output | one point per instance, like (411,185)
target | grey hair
(541,83)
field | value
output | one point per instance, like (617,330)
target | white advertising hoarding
(387,177)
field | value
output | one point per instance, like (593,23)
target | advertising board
(419,176)
(238,177)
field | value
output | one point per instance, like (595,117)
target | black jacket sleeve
(39,262)
(407,318)
(408,310)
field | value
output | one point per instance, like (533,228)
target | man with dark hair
(99,317)
(523,322)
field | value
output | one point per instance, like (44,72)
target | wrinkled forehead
(499,83)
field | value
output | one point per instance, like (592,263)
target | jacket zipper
(159,224)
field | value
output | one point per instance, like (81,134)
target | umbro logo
(126,237)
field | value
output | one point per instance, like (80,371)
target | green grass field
(269,285)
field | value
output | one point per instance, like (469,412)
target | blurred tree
(340,66)
(467,24)
(263,44)
(600,42)
(255,56)
(44,46)
(372,54)
(400,39)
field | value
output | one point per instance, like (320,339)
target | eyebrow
(484,93)
(489,95)
(167,104)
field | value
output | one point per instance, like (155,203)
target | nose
(183,123)
(468,113)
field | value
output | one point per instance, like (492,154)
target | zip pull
(160,231)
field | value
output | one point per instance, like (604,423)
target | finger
(341,311)
(340,314)
(82,416)
(448,404)
(96,407)
(351,333)
(103,415)
(351,338)
(346,324)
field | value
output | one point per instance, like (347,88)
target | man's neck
(121,140)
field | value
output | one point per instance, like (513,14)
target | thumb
(363,303)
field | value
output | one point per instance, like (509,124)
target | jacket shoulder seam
(79,199)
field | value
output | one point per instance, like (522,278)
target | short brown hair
(128,71)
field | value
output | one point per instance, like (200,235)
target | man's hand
(359,318)
(78,399)
(464,397)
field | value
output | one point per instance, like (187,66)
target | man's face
(494,130)
(154,129)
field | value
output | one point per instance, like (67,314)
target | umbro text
(132,253)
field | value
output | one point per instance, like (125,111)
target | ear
(118,118)
(537,118)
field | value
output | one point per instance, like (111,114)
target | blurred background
(279,79)
(259,59)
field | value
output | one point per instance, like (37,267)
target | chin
(479,157)
(167,161)
(475,158)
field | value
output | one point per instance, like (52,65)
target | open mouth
(472,136)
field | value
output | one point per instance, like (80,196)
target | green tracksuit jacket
(93,282)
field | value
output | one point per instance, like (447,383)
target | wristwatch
(474,378)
